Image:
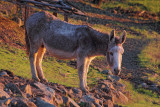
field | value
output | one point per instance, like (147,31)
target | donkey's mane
(100,36)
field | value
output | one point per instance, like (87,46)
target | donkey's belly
(61,54)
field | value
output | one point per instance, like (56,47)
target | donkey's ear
(112,34)
(123,37)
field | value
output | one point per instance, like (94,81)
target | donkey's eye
(111,53)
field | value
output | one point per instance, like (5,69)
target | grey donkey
(67,41)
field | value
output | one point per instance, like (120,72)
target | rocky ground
(16,91)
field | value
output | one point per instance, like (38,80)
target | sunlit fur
(116,58)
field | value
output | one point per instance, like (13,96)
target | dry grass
(11,33)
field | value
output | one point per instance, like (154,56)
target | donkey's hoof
(36,79)
(44,80)
(87,88)
(85,91)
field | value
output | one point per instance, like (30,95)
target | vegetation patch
(150,56)
(141,97)
(151,6)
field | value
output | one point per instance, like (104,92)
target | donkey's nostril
(116,70)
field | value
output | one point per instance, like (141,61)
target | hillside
(10,33)
(141,60)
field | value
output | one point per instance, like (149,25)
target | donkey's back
(45,22)
(57,36)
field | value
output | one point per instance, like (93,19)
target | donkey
(67,41)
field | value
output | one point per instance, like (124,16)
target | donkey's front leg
(82,73)
(87,63)
(32,58)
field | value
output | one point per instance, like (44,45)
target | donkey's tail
(27,42)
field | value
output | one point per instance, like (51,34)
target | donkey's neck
(100,42)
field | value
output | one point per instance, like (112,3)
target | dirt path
(130,63)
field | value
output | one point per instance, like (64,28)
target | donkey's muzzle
(117,71)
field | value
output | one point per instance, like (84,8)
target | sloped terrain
(140,66)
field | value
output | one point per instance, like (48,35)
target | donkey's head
(115,51)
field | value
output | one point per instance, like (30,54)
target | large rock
(63,90)
(73,103)
(108,103)
(10,73)
(2,104)
(91,99)
(69,102)
(26,89)
(14,89)
(25,103)
(2,86)
(108,72)
(4,74)
(42,103)
(114,78)
(31,104)
(5,102)
(144,85)
(119,86)
(49,92)
(105,88)
(77,92)
(58,99)
(21,102)
(109,84)
(123,99)
(13,102)
(3,95)
(70,93)
(154,87)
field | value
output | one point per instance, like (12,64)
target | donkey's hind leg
(40,55)
(32,58)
